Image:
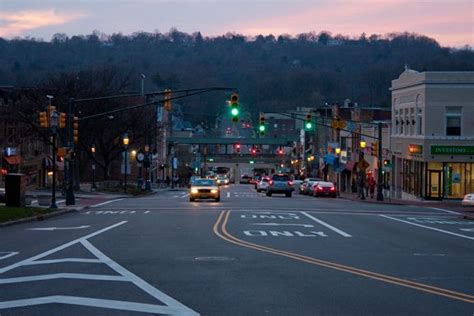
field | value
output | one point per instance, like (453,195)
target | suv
(280,183)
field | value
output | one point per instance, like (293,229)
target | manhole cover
(213,258)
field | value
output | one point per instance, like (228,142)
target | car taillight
(290,183)
(319,188)
(332,189)
(270,182)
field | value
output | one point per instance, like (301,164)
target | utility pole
(379,165)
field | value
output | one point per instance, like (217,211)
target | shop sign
(452,150)
(414,149)
(456,178)
(343,157)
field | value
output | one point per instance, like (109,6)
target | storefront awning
(12,160)
(350,165)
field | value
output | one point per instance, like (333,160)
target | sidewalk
(450,205)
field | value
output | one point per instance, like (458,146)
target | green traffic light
(309,125)
(234,112)
(261,128)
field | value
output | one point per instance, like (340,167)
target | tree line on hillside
(271,73)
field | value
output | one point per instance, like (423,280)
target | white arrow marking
(278,224)
(58,228)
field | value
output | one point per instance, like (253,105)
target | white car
(468,200)
(263,184)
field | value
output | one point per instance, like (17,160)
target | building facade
(432,142)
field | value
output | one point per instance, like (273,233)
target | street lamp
(361,170)
(53,121)
(338,176)
(147,168)
(93,166)
(125,141)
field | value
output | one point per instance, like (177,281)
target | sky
(450,22)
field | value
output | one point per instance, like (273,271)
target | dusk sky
(450,22)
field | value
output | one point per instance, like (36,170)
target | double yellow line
(220,229)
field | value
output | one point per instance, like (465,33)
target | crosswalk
(224,195)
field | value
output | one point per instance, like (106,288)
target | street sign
(140,157)
(338,123)
(175,163)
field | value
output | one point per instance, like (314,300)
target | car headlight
(214,191)
(194,191)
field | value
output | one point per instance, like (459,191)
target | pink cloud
(449,23)
(16,23)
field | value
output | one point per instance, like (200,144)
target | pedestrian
(371,186)
(168,180)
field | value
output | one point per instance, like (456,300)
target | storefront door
(435,179)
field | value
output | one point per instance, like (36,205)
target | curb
(375,203)
(40,217)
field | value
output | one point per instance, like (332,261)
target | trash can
(15,190)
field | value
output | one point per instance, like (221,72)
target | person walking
(371,187)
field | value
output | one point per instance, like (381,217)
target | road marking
(94,302)
(278,224)
(185,195)
(445,210)
(220,229)
(467,229)
(337,230)
(7,254)
(107,202)
(58,228)
(228,194)
(172,306)
(80,260)
(427,227)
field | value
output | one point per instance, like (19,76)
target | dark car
(280,184)
(245,179)
(323,188)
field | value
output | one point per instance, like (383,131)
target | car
(297,184)
(245,179)
(323,188)
(263,184)
(468,200)
(308,189)
(304,186)
(280,183)
(254,180)
(222,180)
(204,189)
(191,180)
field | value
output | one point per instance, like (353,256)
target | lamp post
(125,141)
(147,168)
(338,176)
(53,121)
(361,170)
(93,167)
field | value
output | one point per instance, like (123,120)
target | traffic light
(43,119)
(253,150)
(75,127)
(375,148)
(308,123)
(280,151)
(386,162)
(62,120)
(234,107)
(168,105)
(237,148)
(261,125)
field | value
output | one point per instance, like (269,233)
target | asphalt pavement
(248,254)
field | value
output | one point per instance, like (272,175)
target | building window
(419,122)
(453,120)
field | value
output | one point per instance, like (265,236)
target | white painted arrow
(278,224)
(58,228)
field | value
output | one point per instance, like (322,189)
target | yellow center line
(220,229)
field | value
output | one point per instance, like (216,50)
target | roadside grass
(14,213)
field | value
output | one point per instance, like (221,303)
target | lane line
(80,260)
(334,229)
(445,210)
(54,276)
(107,202)
(61,247)
(8,254)
(228,194)
(185,195)
(428,227)
(220,229)
(94,302)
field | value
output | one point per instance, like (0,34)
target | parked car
(468,200)
(308,189)
(263,184)
(280,184)
(323,188)
(204,189)
(297,184)
(304,189)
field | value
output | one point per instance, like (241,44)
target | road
(246,255)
